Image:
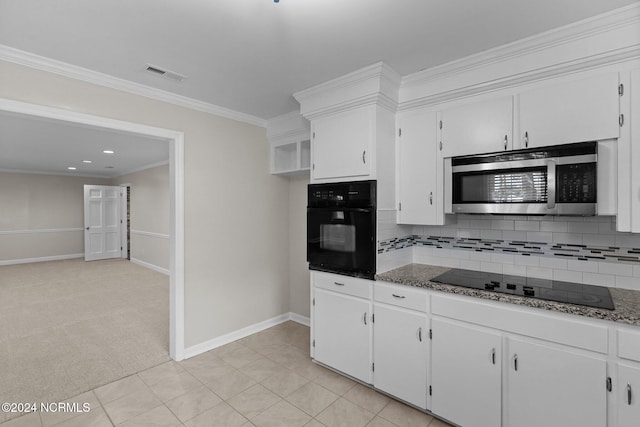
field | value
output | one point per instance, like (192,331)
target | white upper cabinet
(629,155)
(419,167)
(342,144)
(352,128)
(480,127)
(586,109)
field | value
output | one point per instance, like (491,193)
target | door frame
(176,199)
(124,220)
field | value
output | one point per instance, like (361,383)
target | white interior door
(101,222)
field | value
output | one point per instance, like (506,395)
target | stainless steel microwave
(555,180)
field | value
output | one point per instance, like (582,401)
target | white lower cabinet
(549,387)
(628,396)
(466,374)
(400,353)
(487,364)
(342,333)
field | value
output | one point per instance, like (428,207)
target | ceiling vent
(166,74)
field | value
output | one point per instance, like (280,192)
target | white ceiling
(251,55)
(35,144)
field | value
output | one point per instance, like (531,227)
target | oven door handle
(551,184)
(335,209)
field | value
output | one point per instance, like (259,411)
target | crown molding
(556,70)
(601,40)
(628,15)
(31,60)
(287,126)
(70,174)
(375,84)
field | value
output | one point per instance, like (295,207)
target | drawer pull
(398,296)
(515,362)
(364,318)
(420,334)
(493,356)
(628,394)
(338,284)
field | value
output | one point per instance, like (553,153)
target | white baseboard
(40,259)
(242,333)
(150,266)
(300,319)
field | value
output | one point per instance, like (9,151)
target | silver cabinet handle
(87,228)
(526,140)
(515,362)
(338,284)
(431,198)
(551,184)
(628,394)
(364,154)
(506,141)
(364,318)
(440,145)
(398,296)
(420,334)
(493,356)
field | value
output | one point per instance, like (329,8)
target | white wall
(41,216)
(236,213)
(299,280)
(149,210)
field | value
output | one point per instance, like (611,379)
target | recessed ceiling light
(71,168)
(108,151)
(86,161)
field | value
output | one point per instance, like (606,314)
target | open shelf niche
(289,137)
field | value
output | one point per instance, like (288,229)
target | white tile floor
(264,380)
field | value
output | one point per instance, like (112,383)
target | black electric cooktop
(550,290)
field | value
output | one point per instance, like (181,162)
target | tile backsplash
(576,249)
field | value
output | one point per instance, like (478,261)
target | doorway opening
(176,170)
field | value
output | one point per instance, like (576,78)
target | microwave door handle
(551,184)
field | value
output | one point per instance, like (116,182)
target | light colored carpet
(69,326)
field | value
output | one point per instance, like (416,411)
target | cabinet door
(629,396)
(418,169)
(342,333)
(466,374)
(554,388)
(482,127)
(576,111)
(400,353)
(342,144)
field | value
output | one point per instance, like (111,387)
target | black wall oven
(341,228)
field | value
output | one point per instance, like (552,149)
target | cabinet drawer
(401,296)
(629,344)
(576,333)
(342,284)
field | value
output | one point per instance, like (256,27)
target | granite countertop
(626,302)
